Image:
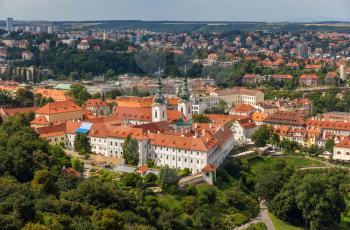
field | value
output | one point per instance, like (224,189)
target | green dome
(185,93)
(159,97)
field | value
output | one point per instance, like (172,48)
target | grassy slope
(281,225)
(294,161)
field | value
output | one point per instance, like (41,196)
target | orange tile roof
(209,168)
(259,117)
(87,114)
(345,143)
(243,108)
(308,76)
(95,103)
(59,107)
(336,125)
(286,118)
(222,118)
(247,123)
(142,114)
(331,75)
(55,94)
(282,76)
(71,171)
(142,169)
(154,127)
(6,113)
(102,130)
(238,90)
(52,130)
(40,120)
(183,142)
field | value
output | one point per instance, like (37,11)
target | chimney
(209,125)
(203,132)
(148,131)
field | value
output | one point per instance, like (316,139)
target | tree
(79,94)
(168,176)
(329,145)
(82,144)
(200,118)
(77,164)
(313,198)
(131,151)
(207,194)
(107,219)
(24,97)
(43,181)
(32,226)
(262,135)
(271,179)
(150,178)
(222,107)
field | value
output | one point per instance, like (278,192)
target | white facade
(185,107)
(342,154)
(242,134)
(201,104)
(161,155)
(159,113)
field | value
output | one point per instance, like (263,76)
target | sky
(180,10)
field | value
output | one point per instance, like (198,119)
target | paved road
(262,217)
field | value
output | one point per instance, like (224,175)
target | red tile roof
(95,103)
(286,118)
(59,107)
(336,125)
(345,143)
(282,76)
(40,120)
(309,76)
(209,168)
(202,144)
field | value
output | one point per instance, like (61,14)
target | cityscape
(174,122)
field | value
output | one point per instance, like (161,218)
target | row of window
(179,159)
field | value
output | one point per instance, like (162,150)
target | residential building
(308,80)
(243,129)
(58,111)
(237,95)
(341,150)
(97,107)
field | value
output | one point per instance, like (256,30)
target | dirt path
(262,217)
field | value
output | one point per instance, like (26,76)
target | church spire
(159,97)
(185,93)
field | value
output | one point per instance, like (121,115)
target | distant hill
(203,26)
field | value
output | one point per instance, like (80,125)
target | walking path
(262,217)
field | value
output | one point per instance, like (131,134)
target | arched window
(338,152)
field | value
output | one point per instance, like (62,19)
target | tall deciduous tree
(168,176)
(82,144)
(131,151)
(262,135)
(311,198)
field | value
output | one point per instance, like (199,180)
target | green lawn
(294,161)
(257,226)
(345,219)
(281,225)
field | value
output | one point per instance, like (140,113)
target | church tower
(159,108)
(185,105)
